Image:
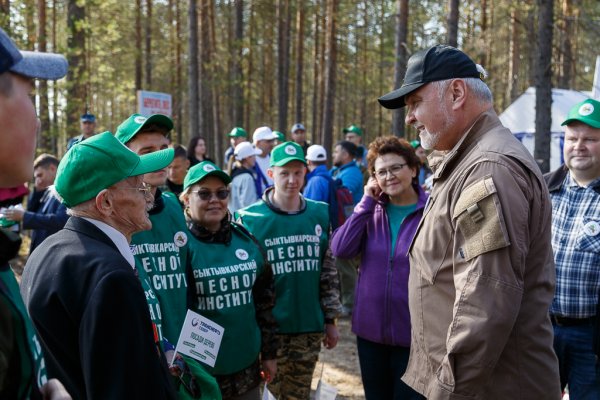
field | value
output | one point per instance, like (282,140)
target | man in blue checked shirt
(575,193)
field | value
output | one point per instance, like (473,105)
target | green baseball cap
(280,136)
(132,125)
(201,171)
(286,152)
(588,112)
(238,132)
(99,162)
(353,129)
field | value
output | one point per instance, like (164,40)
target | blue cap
(87,117)
(31,64)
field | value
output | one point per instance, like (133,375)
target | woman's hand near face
(372,188)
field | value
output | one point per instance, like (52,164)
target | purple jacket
(380,312)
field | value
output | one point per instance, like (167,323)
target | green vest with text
(223,277)
(295,246)
(160,257)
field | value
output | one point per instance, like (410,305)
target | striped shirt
(576,244)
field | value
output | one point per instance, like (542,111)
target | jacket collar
(556,179)
(440,160)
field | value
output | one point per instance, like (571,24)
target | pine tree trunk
(316,127)
(566,45)
(283,62)
(237,78)
(453,22)
(76,77)
(401,60)
(330,76)
(148,56)
(299,94)
(194,116)
(43,114)
(512,89)
(543,85)
(138,45)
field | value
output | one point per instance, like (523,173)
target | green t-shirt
(224,275)
(396,215)
(295,244)
(160,258)
(27,345)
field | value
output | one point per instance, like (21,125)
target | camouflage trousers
(296,360)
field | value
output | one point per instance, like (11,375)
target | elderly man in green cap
(575,194)
(80,285)
(294,231)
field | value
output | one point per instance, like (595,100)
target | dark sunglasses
(207,194)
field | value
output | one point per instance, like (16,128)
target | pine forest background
(255,62)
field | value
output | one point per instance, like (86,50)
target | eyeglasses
(206,195)
(394,170)
(145,189)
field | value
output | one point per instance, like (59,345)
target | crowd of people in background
(446,263)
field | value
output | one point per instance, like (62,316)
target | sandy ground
(339,366)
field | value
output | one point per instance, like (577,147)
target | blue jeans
(577,361)
(381,367)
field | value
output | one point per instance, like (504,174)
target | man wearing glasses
(80,285)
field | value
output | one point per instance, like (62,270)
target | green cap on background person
(237,132)
(353,129)
(201,171)
(588,112)
(99,162)
(132,125)
(285,153)
(280,136)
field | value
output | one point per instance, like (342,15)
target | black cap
(436,63)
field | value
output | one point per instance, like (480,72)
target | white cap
(263,133)
(245,149)
(297,126)
(316,152)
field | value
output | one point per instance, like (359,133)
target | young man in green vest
(294,232)
(161,252)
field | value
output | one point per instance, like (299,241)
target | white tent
(519,117)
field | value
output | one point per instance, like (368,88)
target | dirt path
(340,365)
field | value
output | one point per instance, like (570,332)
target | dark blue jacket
(317,184)
(47,221)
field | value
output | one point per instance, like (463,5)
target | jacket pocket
(431,243)
(588,237)
(478,215)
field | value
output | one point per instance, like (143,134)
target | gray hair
(480,90)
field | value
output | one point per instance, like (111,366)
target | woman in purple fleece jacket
(381,229)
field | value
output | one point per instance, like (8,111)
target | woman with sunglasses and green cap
(231,283)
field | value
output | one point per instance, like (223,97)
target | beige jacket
(482,274)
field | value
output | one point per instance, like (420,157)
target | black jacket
(91,316)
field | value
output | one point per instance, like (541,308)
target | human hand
(14,214)
(331,336)
(268,370)
(54,390)
(372,188)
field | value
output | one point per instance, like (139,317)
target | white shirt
(117,238)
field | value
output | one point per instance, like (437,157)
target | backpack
(341,204)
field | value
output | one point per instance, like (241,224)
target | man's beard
(429,140)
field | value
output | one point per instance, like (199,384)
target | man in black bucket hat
(482,271)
